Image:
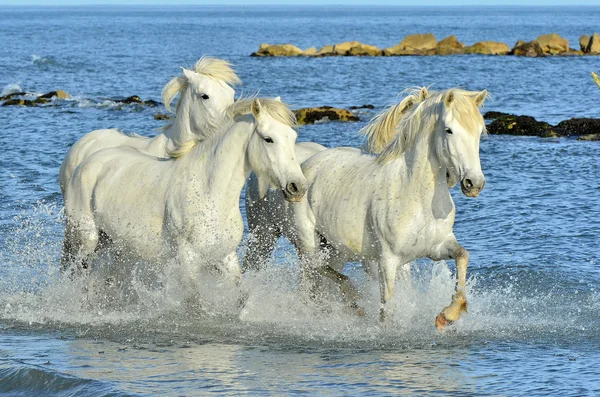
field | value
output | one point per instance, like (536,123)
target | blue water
(534,301)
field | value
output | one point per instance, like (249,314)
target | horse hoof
(441,322)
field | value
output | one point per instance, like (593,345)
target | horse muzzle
(472,187)
(294,191)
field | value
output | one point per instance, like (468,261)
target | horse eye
(204,96)
(448,130)
(268,139)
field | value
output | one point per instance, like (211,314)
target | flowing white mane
(384,126)
(276,109)
(423,117)
(216,68)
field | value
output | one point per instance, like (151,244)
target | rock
(131,99)
(161,116)
(14,94)
(521,125)
(578,126)
(414,44)
(527,49)
(553,44)
(25,102)
(325,51)
(589,137)
(60,94)
(151,103)
(312,115)
(488,48)
(449,46)
(277,50)
(365,50)
(344,48)
(310,52)
(367,106)
(593,46)
(583,42)
(494,115)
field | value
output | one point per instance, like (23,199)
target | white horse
(185,207)
(395,207)
(266,210)
(205,93)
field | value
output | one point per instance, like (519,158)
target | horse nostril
(468,184)
(292,188)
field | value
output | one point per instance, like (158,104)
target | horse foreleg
(388,266)
(453,311)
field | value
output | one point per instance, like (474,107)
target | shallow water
(534,302)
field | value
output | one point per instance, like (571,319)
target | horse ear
(407,105)
(449,98)
(480,98)
(256,108)
(423,94)
(187,73)
(278,99)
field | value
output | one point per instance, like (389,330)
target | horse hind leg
(78,245)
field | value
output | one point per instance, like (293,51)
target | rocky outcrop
(510,124)
(527,49)
(277,50)
(323,113)
(488,48)
(578,126)
(355,48)
(426,44)
(449,46)
(584,40)
(162,116)
(593,46)
(552,44)
(22,98)
(590,137)
(414,44)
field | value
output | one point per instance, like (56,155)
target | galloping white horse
(205,94)
(185,207)
(266,210)
(395,207)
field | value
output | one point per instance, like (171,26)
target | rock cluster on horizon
(426,44)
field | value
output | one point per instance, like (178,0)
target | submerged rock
(60,94)
(414,44)
(312,115)
(367,106)
(488,48)
(161,116)
(589,137)
(10,96)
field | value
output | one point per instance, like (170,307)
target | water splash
(137,300)
(11,89)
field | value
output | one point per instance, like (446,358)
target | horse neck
(226,167)
(417,169)
(181,131)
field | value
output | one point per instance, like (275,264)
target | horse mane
(384,126)
(218,69)
(272,107)
(421,119)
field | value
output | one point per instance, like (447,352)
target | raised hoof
(441,322)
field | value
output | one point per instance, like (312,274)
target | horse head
(458,132)
(271,149)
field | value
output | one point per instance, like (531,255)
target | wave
(19,379)
(11,89)
(44,61)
